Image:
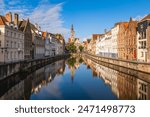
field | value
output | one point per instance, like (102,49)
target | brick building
(130,41)
(121,40)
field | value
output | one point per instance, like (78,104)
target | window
(11,44)
(142,54)
(144,44)
(11,34)
(18,35)
(15,45)
(7,33)
(14,34)
(7,43)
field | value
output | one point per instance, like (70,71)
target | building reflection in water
(22,86)
(73,64)
(46,74)
(125,84)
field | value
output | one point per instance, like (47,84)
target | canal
(77,78)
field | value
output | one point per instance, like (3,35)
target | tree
(71,47)
(81,48)
(71,61)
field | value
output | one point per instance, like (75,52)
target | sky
(88,16)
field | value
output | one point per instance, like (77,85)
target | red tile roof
(3,20)
(146,18)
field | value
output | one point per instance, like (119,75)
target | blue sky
(88,16)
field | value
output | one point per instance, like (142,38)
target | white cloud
(138,18)
(2,5)
(47,15)
(85,38)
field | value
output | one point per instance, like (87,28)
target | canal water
(77,78)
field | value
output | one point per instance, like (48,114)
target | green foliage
(81,48)
(72,61)
(71,47)
(80,60)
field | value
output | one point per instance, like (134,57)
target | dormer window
(142,27)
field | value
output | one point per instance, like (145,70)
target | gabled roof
(146,18)
(3,20)
(23,25)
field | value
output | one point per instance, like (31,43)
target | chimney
(16,19)
(8,16)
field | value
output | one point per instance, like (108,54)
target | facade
(11,39)
(103,45)
(53,44)
(92,43)
(38,42)
(87,46)
(25,27)
(47,44)
(121,40)
(106,45)
(59,47)
(131,41)
(114,38)
(143,39)
(61,41)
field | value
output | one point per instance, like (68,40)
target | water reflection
(126,84)
(77,78)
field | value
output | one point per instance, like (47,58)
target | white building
(103,45)
(114,38)
(11,39)
(47,39)
(106,45)
(143,40)
(38,42)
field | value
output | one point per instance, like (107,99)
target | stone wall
(138,66)
(9,69)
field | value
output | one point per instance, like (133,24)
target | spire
(72,37)
(131,19)
(72,29)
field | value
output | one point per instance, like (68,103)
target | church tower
(72,35)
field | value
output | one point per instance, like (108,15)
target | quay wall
(134,65)
(9,69)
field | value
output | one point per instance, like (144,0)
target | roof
(126,25)
(146,18)
(96,36)
(23,25)
(44,34)
(2,20)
